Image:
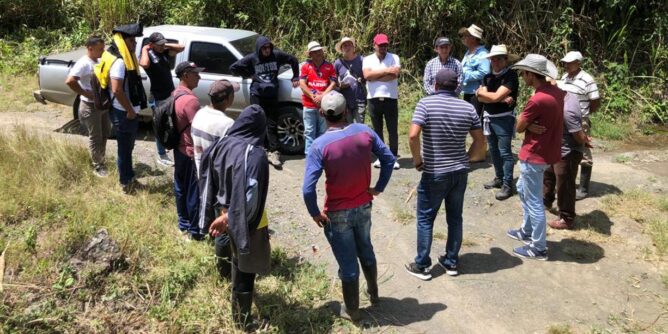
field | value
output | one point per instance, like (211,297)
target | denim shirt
(475,68)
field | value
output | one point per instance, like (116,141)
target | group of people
(221,172)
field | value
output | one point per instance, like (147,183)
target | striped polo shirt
(208,126)
(445,120)
(584,87)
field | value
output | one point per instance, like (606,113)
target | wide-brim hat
(502,50)
(472,30)
(537,64)
(313,46)
(338,45)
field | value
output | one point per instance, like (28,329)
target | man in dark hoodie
(234,180)
(263,66)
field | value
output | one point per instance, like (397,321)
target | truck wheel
(75,108)
(290,129)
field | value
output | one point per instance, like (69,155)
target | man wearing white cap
(344,153)
(498,95)
(545,109)
(443,59)
(317,78)
(351,79)
(580,83)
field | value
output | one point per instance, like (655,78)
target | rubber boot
(371,275)
(351,299)
(241,309)
(223,257)
(585,177)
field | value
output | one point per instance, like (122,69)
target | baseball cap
(381,39)
(185,67)
(157,38)
(446,78)
(333,104)
(221,89)
(572,56)
(441,41)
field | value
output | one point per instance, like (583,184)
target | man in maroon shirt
(543,121)
(186,190)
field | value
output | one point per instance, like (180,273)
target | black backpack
(164,123)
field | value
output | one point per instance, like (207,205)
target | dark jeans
(161,149)
(271,113)
(500,147)
(186,193)
(432,191)
(562,177)
(473,100)
(389,109)
(126,133)
(241,281)
(349,234)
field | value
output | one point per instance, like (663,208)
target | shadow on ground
(479,263)
(597,221)
(574,250)
(399,312)
(598,189)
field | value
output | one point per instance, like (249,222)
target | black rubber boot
(351,299)
(496,183)
(505,193)
(241,309)
(223,259)
(371,275)
(585,177)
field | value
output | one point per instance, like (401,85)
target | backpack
(164,123)
(99,82)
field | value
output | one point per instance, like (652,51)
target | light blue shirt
(475,67)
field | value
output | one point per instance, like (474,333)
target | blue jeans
(530,191)
(349,235)
(126,133)
(432,191)
(500,147)
(314,126)
(186,192)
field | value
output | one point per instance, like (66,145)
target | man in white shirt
(95,121)
(381,70)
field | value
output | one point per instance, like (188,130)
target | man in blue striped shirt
(443,120)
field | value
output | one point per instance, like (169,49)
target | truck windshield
(245,45)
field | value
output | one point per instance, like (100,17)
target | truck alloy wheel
(290,131)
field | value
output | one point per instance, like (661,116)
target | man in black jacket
(263,66)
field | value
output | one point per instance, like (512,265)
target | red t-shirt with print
(546,108)
(317,78)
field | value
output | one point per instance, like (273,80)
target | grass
(648,209)
(16,91)
(604,127)
(51,205)
(559,329)
(403,216)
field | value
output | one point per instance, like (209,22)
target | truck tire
(290,130)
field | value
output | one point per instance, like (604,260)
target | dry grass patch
(16,91)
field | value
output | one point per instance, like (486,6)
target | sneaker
(164,160)
(505,193)
(275,159)
(560,224)
(519,235)
(496,183)
(530,252)
(450,270)
(421,273)
(396,165)
(376,163)
(100,172)
(580,194)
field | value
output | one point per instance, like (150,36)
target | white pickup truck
(214,49)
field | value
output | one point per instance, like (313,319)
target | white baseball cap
(333,104)
(572,56)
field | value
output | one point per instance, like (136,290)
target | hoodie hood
(251,126)
(262,40)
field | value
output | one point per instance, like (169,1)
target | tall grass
(51,205)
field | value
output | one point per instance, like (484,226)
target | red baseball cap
(381,39)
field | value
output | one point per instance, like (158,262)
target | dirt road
(598,278)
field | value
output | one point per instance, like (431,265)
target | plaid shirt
(435,65)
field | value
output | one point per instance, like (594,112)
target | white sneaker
(396,165)
(163,159)
(376,164)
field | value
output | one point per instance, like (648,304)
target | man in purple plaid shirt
(442,46)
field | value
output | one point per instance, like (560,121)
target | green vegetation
(51,205)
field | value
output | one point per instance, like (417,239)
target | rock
(100,256)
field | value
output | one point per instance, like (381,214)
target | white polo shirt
(584,87)
(83,69)
(387,89)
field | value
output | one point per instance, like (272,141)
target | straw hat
(502,50)
(537,64)
(343,40)
(313,46)
(472,30)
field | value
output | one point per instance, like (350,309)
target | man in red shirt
(186,190)
(543,121)
(317,78)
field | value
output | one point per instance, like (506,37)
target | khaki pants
(99,127)
(587,159)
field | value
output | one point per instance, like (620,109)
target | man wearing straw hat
(498,95)
(351,79)
(475,66)
(580,83)
(443,59)
(545,110)
(317,78)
